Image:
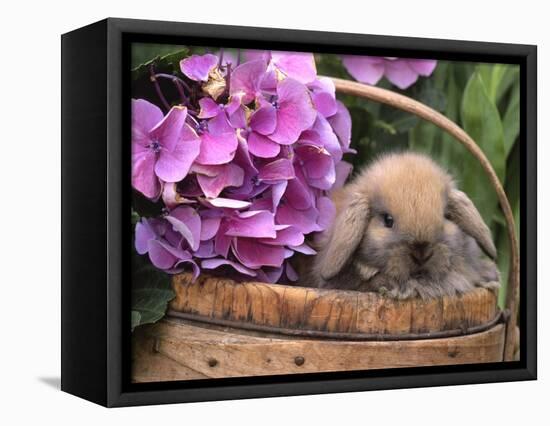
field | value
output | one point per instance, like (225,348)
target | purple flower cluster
(401,72)
(245,172)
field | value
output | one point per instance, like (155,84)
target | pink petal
(227,203)
(299,66)
(254,254)
(229,58)
(210,227)
(327,212)
(160,256)
(180,266)
(215,263)
(263,204)
(198,67)
(328,138)
(258,224)
(298,194)
(144,232)
(304,249)
(144,178)
(206,250)
(210,171)
(168,132)
(323,84)
(326,181)
(222,242)
(315,161)
(290,236)
(324,96)
(219,125)
(255,55)
(288,253)
(187,222)
(145,116)
(264,119)
(246,79)
(277,191)
(341,124)
(174,165)
(238,119)
(269,83)
(172,198)
(303,220)
(218,149)
(366,69)
(209,108)
(281,169)
(227,175)
(295,111)
(325,103)
(234,103)
(424,67)
(291,274)
(343,170)
(261,146)
(400,73)
(270,275)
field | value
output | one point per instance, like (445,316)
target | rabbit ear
(462,211)
(347,231)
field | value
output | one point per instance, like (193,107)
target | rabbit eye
(388,220)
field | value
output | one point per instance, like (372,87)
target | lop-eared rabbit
(403,229)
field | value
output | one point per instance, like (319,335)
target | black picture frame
(96,227)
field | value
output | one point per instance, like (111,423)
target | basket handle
(407,104)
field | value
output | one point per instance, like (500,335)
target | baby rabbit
(403,229)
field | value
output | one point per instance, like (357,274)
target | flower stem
(228,79)
(158,89)
(193,121)
(184,98)
(174,78)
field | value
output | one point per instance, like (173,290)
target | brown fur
(433,248)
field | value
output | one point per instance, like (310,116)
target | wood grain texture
(182,350)
(305,308)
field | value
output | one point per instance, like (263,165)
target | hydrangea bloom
(245,178)
(401,72)
(163,148)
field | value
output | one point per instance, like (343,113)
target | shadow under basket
(216,327)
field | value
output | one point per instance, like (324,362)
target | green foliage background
(481,98)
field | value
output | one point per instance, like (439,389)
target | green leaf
(509,79)
(134,217)
(450,149)
(387,127)
(168,63)
(423,137)
(151,292)
(481,120)
(492,75)
(136,319)
(145,52)
(511,119)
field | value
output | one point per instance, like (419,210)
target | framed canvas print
(253,212)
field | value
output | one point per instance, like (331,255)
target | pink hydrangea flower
(163,147)
(261,159)
(401,72)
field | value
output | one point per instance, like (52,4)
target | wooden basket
(217,327)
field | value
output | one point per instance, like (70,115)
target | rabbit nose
(421,252)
